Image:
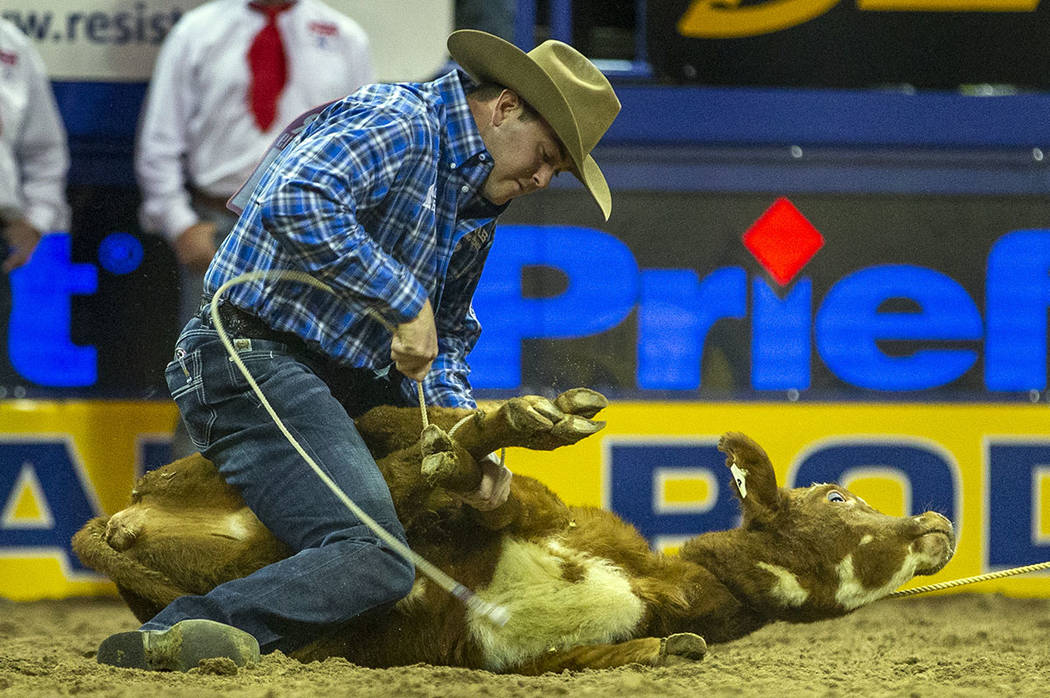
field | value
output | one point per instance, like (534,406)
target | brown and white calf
(583,588)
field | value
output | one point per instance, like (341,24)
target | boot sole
(179,648)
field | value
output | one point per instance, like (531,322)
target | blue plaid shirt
(379,198)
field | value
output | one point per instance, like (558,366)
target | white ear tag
(740,476)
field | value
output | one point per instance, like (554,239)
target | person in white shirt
(34,156)
(199,137)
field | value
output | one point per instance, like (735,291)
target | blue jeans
(340,568)
(191,287)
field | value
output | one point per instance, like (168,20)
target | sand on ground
(963,644)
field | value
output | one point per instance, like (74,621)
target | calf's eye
(834,496)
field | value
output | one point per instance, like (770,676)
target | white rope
(457,425)
(970,580)
(493,612)
(422,404)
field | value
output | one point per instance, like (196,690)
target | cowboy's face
(526,154)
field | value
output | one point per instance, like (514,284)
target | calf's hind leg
(680,648)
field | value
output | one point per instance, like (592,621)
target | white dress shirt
(34,157)
(197,131)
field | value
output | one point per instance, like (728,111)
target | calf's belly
(557,598)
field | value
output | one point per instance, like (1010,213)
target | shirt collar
(464,144)
(464,150)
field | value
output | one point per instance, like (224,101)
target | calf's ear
(754,481)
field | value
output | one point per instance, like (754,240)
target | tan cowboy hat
(558,81)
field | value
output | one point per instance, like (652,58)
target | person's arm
(448,382)
(162,141)
(41,156)
(414,344)
(42,153)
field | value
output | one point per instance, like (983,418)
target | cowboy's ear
(505,105)
(754,481)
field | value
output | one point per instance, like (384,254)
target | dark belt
(242,324)
(358,389)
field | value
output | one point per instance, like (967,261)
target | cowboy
(390,198)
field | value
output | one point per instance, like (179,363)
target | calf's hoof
(537,423)
(581,401)
(681,648)
(439,458)
(434,439)
(179,648)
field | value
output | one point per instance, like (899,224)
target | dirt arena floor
(953,645)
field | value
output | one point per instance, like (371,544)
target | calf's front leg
(531,508)
(532,422)
(445,457)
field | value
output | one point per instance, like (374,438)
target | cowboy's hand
(195,246)
(22,238)
(414,345)
(494,487)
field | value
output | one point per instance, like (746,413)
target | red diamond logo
(783,241)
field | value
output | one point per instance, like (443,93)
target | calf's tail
(145,590)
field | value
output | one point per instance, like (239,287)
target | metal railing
(559,26)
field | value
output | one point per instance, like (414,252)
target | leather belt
(357,389)
(241,323)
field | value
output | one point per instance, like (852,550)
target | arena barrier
(986,466)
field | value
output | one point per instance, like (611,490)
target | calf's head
(814,552)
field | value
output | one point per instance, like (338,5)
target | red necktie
(269,66)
